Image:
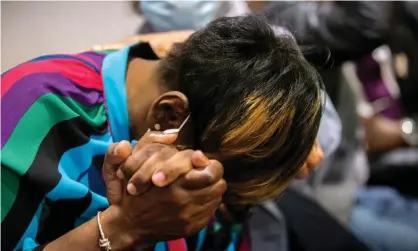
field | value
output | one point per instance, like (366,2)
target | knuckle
(185,217)
(188,151)
(222,186)
(216,163)
(218,203)
(149,150)
(203,223)
(177,165)
(108,155)
(206,221)
(111,149)
(176,168)
(168,150)
(128,167)
(181,198)
(139,179)
(209,178)
(213,203)
(218,167)
(190,229)
(128,163)
(163,154)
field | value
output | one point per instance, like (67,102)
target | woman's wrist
(116,229)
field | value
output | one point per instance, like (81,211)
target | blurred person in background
(261,143)
(386,217)
(351,31)
(174,15)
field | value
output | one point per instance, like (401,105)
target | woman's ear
(168,111)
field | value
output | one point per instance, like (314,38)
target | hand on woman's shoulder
(160,42)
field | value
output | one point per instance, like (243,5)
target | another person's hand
(160,42)
(382,134)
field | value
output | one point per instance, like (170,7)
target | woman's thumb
(116,154)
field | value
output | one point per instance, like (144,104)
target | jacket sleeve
(44,115)
(343,27)
(329,134)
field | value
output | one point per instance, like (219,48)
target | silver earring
(157,127)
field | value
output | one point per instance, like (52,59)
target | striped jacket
(59,114)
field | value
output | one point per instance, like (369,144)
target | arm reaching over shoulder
(160,42)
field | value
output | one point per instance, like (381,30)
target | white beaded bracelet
(103,242)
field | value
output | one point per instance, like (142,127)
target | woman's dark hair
(255,102)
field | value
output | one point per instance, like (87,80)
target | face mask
(179,15)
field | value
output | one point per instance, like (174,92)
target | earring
(157,127)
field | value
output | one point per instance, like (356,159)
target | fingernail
(131,189)
(115,149)
(162,135)
(171,131)
(158,178)
(118,145)
(119,174)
